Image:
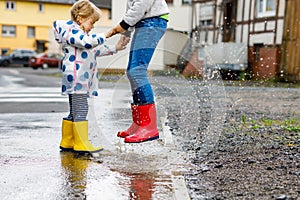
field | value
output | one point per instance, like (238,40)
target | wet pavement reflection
(32,167)
(79,171)
(74,169)
(141,186)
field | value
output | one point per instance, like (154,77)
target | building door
(229,10)
(41,45)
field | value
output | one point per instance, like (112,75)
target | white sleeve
(105,50)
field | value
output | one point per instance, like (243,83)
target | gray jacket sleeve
(136,10)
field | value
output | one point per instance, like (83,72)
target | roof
(98,3)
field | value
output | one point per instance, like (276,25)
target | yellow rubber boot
(67,139)
(81,141)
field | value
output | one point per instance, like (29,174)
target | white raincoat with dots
(79,67)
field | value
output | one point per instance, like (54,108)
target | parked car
(16,56)
(45,60)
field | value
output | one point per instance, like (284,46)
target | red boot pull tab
(135,123)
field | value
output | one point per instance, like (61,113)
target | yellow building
(28,23)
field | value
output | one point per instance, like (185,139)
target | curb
(179,185)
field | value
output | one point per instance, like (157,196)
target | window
(206,13)
(8,31)
(266,8)
(41,7)
(206,23)
(10,5)
(186,1)
(30,32)
(26,52)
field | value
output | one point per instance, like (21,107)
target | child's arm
(104,50)
(122,43)
(75,36)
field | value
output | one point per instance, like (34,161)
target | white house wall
(267,38)
(264,38)
(179,14)
(118,8)
(242,30)
(180,19)
(242,34)
(280,29)
(168,48)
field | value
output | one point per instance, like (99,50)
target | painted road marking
(31,94)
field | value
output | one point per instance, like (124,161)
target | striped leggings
(78,106)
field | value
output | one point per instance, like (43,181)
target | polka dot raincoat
(79,68)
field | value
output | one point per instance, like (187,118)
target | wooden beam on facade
(201,1)
(290,59)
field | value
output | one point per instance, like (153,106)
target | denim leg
(140,85)
(147,34)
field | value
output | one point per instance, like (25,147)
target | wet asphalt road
(192,115)
(17,82)
(32,167)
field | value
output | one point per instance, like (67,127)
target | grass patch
(261,83)
(293,128)
(292,124)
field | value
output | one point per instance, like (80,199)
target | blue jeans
(147,34)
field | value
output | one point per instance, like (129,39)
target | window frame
(30,32)
(264,12)
(208,20)
(10,5)
(41,7)
(10,29)
(186,2)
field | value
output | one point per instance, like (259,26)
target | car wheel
(5,63)
(35,68)
(45,66)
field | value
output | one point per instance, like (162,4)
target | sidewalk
(32,167)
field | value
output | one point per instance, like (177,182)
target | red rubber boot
(135,123)
(147,129)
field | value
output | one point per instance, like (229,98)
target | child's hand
(122,43)
(114,31)
(110,33)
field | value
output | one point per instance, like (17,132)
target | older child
(79,70)
(149,19)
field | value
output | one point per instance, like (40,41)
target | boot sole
(65,149)
(122,136)
(83,152)
(149,139)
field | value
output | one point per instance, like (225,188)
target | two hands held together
(117,29)
(123,41)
